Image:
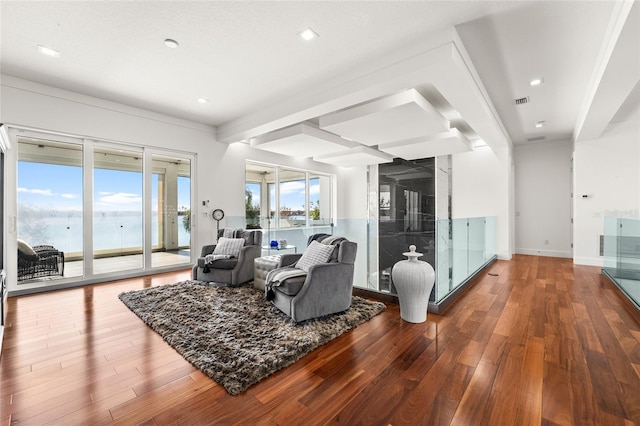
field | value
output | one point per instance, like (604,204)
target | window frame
(273,220)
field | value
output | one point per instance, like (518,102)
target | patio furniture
(39,261)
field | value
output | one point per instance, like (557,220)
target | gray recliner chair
(325,289)
(234,271)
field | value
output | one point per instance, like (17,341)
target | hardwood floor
(544,343)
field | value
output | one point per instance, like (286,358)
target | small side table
(262,266)
(270,249)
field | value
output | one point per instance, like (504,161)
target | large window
(102,207)
(296,198)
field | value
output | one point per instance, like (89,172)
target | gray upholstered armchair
(233,271)
(325,289)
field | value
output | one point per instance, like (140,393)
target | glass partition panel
(443,259)
(476,245)
(629,249)
(464,246)
(460,252)
(610,243)
(622,255)
(490,238)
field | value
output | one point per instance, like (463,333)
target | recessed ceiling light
(536,82)
(540,123)
(203,100)
(48,51)
(171,43)
(308,34)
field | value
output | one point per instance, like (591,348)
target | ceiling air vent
(521,101)
(536,139)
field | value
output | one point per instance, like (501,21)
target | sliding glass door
(117,209)
(50,208)
(171,210)
(104,209)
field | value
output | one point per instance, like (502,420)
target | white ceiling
(260,76)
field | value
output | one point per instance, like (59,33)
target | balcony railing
(463,248)
(621,251)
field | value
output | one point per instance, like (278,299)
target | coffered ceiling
(383,78)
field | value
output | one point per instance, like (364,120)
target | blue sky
(291,193)
(58,187)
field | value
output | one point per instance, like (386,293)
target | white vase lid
(412,252)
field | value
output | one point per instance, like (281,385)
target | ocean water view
(112,230)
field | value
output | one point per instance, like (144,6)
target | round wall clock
(217,215)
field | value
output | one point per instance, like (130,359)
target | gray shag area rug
(234,335)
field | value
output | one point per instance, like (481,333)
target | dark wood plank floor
(543,342)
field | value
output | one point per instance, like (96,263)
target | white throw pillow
(25,248)
(229,246)
(315,254)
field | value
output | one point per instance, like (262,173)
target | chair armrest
(207,249)
(249,252)
(289,259)
(331,275)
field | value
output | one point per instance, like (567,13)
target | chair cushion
(223,263)
(291,286)
(316,253)
(229,246)
(26,249)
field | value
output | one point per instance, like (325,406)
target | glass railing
(621,251)
(464,246)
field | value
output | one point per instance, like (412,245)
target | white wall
(543,198)
(482,179)
(607,171)
(219,169)
(482,185)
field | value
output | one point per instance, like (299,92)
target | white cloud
(119,198)
(45,192)
(314,189)
(295,187)
(68,195)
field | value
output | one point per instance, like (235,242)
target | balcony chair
(238,267)
(324,288)
(39,261)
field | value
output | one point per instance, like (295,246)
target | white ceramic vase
(414,281)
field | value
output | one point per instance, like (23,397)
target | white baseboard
(546,253)
(589,261)
(504,256)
